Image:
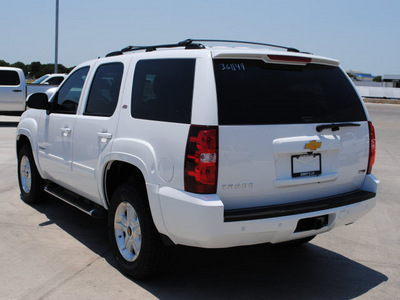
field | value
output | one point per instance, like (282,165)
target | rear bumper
(201,221)
(272,211)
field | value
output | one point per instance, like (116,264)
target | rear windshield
(255,92)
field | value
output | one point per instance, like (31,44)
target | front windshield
(39,80)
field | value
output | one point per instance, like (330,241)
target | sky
(361,34)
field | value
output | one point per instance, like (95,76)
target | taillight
(201,160)
(290,58)
(372,147)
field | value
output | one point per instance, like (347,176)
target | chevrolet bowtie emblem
(313,145)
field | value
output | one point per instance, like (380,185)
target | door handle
(17,91)
(104,136)
(66,131)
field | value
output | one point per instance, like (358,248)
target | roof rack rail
(289,49)
(186,43)
(189,44)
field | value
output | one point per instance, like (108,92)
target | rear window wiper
(336,126)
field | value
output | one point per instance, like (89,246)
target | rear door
(272,147)
(12,91)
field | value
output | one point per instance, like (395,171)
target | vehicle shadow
(261,271)
(89,231)
(8,124)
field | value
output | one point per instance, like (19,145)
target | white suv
(202,146)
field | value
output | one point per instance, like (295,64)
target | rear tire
(135,241)
(30,182)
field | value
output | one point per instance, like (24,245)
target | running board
(76,201)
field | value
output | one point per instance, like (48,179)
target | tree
(352,76)
(20,65)
(4,63)
(377,79)
(36,69)
(63,69)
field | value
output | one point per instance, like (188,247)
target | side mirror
(38,101)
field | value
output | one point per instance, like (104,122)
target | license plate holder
(305,165)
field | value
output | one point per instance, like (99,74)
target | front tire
(30,182)
(134,238)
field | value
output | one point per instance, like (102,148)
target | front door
(57,130)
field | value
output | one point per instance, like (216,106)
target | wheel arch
(117,172)
(27,133)
(21,141)
(23,138)
(31,189)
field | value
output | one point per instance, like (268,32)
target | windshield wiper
(336,126)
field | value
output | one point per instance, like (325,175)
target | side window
(103,96)
(163,90)
(55,80)
(67,99)
(9,78)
